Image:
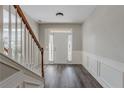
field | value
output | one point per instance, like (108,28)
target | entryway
(60,47)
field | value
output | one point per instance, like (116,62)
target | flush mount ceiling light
(59,14)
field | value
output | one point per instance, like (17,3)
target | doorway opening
(60,46)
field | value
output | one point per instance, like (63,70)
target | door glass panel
(70,47)
(51,47)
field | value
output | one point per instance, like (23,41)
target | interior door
(60,41)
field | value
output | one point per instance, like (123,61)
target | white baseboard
(108,73)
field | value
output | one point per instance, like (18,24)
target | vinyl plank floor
(69,76)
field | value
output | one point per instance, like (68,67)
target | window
(51,47)
(70,47)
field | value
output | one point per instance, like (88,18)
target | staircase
(21,55)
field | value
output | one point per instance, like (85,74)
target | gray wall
(76,29)
(34,25)
(103,32)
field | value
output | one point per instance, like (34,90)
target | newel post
(42,62)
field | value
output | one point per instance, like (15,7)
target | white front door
(60,41)
(60,47)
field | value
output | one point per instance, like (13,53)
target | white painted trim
(25,52)
(10,33)
(21,43)
(28,62)
(109,73)
(16,56)
(19,78)
(113,63)
(8,61)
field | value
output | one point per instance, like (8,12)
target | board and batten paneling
(109,73)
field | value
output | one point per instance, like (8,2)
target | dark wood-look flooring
(69,76)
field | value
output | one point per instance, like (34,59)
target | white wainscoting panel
(112,77)
(92,65)
(107,72)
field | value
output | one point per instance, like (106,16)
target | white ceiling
(47,13)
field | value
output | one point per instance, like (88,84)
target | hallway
(69,46)
(68,76)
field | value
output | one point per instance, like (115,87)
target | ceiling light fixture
(59,14)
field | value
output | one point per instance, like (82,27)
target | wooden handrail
(6,49)
(21,14)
